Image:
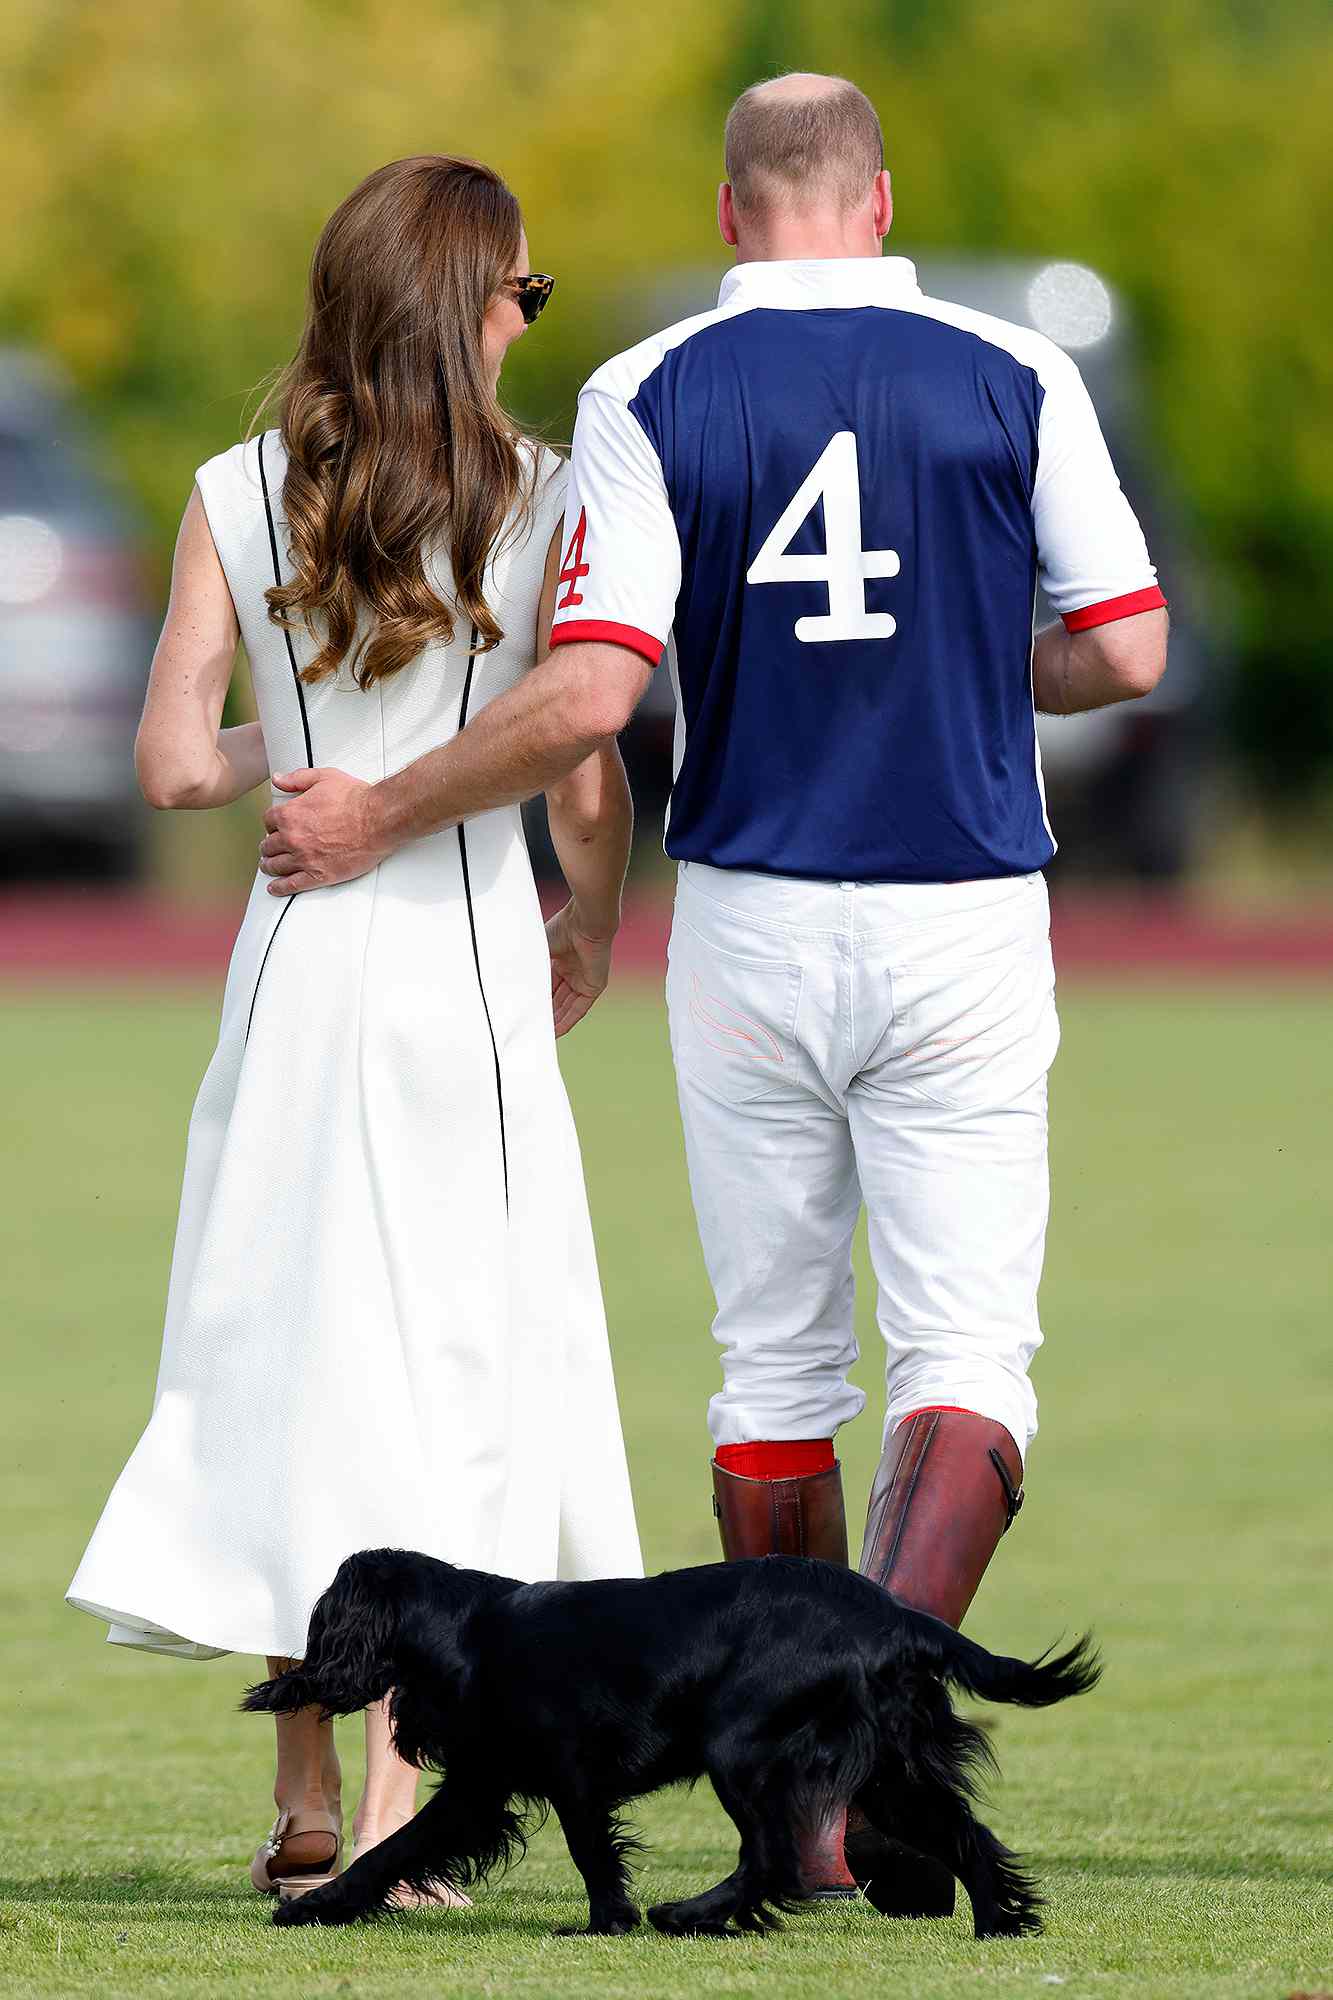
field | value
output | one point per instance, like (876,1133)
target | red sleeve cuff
(596,631)
(1112,608)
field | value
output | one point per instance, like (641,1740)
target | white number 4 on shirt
(836,477)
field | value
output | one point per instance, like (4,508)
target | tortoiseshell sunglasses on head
(532,292)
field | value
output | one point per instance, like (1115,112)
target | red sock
(796,1458)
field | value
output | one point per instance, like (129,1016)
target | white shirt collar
(820,281)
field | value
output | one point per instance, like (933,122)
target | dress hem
(138,1633)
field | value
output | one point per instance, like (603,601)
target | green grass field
(1178,1500)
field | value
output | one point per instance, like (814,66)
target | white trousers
(879,1043)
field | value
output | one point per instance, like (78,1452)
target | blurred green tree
(167,168)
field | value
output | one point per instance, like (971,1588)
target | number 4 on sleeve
(574,568)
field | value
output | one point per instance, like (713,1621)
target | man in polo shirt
(839,495)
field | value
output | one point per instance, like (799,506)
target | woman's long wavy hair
(395,442)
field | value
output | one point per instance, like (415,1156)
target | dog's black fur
(793,1685)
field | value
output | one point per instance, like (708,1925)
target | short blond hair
(803,148)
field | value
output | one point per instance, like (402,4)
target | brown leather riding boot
(792,1517)
(781,1517)
(805,1517)
(948,1487)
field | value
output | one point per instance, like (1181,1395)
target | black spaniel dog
(793,1685)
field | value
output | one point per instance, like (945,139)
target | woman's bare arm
(182,757)
(592,824)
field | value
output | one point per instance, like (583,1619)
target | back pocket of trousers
(733,1019)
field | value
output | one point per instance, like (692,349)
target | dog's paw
(1010,1924)
(897,1880)
(608,1920)
(680,1920)
(314,1908)
(761,1920)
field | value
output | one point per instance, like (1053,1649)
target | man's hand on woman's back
(321,836)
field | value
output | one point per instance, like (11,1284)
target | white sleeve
(1091,555)
(621,567)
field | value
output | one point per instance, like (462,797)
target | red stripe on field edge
(79,935)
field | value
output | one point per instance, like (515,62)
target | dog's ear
(437,1603)
(436,1662)
(353,1633)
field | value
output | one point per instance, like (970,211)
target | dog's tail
(1038,1683)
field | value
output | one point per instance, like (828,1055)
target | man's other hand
(323,835)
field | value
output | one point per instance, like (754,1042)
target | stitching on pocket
(763,1046)
(736,1057)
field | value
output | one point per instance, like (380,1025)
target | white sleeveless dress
(384,1325)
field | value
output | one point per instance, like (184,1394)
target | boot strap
(1013,1495)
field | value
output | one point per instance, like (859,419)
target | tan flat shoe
(295,1879)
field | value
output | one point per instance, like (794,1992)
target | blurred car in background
(77,629)
(1129,787)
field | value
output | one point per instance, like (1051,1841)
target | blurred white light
(29,558)
(1070,305)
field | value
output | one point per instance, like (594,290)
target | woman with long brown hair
(384,1323)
